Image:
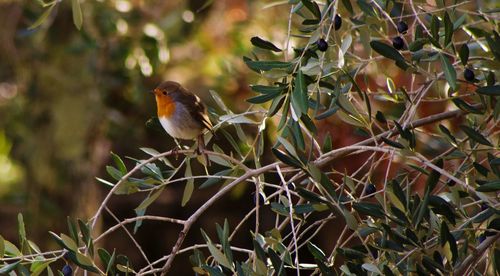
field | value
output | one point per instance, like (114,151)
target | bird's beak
(152,91)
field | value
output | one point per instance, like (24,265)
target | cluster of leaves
(389,231)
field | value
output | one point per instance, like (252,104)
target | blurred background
(68,98)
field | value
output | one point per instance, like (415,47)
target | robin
(182,114)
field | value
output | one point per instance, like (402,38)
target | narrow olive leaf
(463,105)
(8,268)
(448,134)
(285,158)
(216,253)
(392,143)
(267,89)
(313,7)
(2,246)
(119,163)
(316,252)
(464,54)
(475,135)
(449,72)
(417,44)
(22,232)
(264,44)
(492,186)
(370,209)
(448,29)
(491,90)
(77,13)
(43,17)
(277,262)
(188,190)
(435,25)
(263,98)
(389,52)
(430,184)
(258,65)
(348,6)
(150,199)
(299,94)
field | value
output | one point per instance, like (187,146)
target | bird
(182,114)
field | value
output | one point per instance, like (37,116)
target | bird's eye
(164,93)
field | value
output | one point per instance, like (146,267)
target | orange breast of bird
(165,106)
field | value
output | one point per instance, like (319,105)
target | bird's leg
(175,151)
(201,149)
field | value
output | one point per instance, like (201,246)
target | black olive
(398,43)
(337,22)
(322,45)
(469,75)
(370,189)
(67,270)
(402,27)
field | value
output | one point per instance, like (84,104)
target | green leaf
(22,232)
(449,72)
(119,163)
(278,264)
(150,199)
(389,52)
(448,29)
(267,89)
(348,6)
(2,247)
(299,95)
(69,243)
(114,173)
(43,17)
(264,44)
(263,98)
(463,105)
(8,268)
(267,65)
(464,54)
(435,25)
(475,135)
(370,209)
(188,190)
(216,253)
(448,134)
(492,186)
(313,7)
(430,184)
(77,13)
(317,253)
(73,230)
(392,143)
(38,267)
(491,90)
(417,44)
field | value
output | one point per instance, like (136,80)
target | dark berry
(469,75)
(402,27)
(481,238)
(370,189)
(261,199)
(337,21)
(291,186)
(437,257)
(322,45)
(484,206)
(398,43)
(67,270)
(451,183)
